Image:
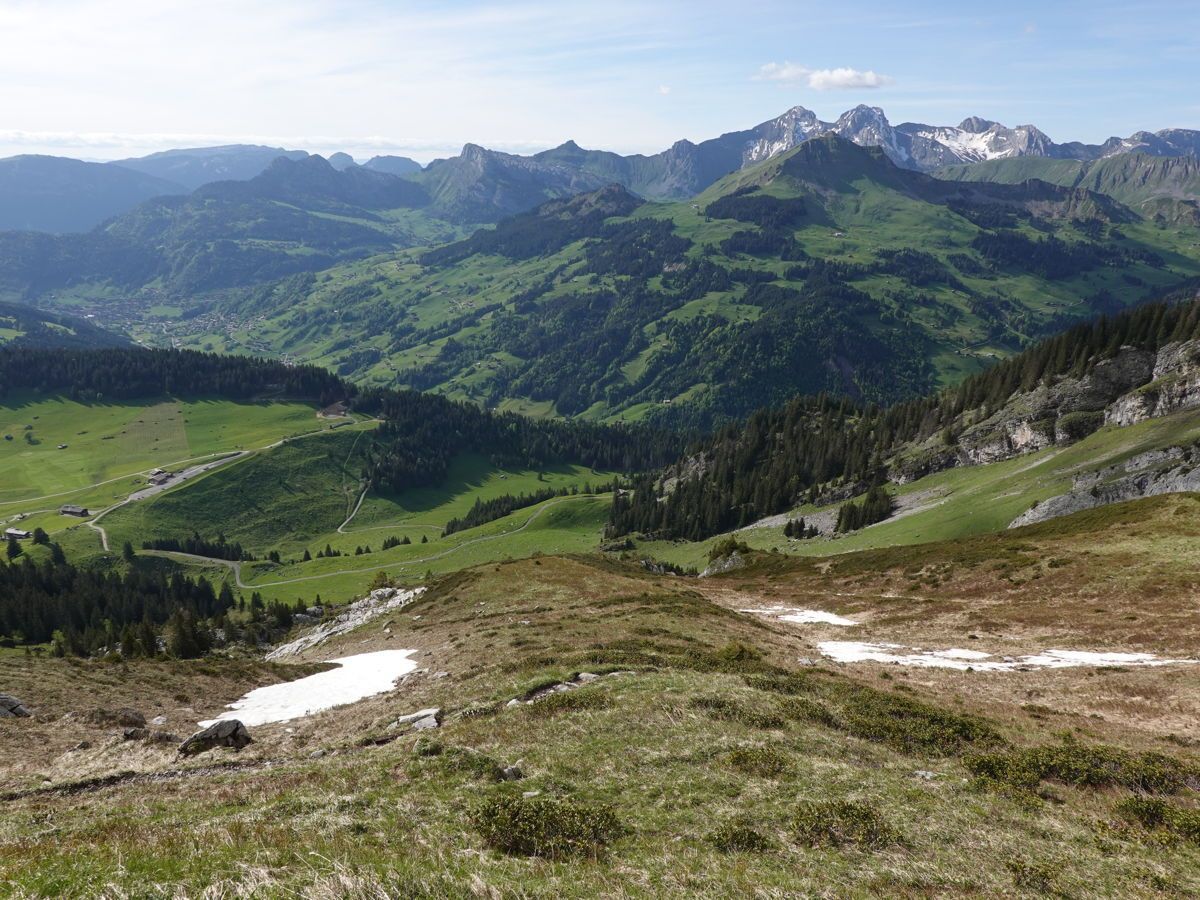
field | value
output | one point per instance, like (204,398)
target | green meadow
(109,446)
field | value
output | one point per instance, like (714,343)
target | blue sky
(124,77)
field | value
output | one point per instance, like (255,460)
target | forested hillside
(824,446)
(27,326)
(824,269)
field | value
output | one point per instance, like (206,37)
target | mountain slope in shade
(26,326)
(1156,186)
(316,183)
(192,167)
(55,194)
(393,165)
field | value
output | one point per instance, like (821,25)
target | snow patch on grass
(955,658)
(355,678)
(802,616)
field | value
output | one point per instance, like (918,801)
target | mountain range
(482,186)
(823,268)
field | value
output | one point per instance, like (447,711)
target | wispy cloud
(840,79)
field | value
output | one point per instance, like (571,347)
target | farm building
(17,533)
(71,509)
(160,478)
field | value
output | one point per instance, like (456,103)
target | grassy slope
(116,443)
(383,821)
(295,497)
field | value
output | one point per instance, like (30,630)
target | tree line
(780,455)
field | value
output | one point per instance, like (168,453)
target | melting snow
(854,651)
(356,677)
(802,616)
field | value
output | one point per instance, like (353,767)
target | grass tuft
(761,762)
(726,710)
(545,826)
(570,701)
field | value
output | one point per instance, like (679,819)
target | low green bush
(836,823)
(739,836)
(724,709)
(1155,814)
(761,762)
(1085,766)
(545,826)
(912,726)
(434,757)
(802,709)
(781,684)
(733,659)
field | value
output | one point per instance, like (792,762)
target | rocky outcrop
(1172,471)
(1055,413)
(730,563)
(358,613)
(1174,386)
(12,708)
(226,733)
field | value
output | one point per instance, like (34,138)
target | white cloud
(664,89)
(845,79)
(839,79)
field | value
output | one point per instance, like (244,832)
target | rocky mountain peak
(977,125)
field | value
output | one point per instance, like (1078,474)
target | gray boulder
(226,733)
(12,708)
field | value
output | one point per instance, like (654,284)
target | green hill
(826,268)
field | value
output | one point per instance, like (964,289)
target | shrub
(1033,876)
(734,659)
(835,823)
(570,701)
(912,726)
(426,747)
(1154,814)
(727,710)
(544,826)
(1084,766)
(781,684)
(761,762)
(727,547)
(739,836)
(802,709)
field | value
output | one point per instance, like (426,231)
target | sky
(106,79)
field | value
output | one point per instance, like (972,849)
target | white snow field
(355,678)
(956,658)
(802,616)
